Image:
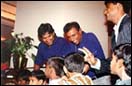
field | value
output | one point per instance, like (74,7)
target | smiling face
(111,11)
(74,36)
(48,39)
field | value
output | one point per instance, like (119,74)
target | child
(121,64)
(38,78)
(73,67)
(23,77)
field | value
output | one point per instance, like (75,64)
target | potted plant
(20,48)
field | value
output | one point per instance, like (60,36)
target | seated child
(38,78)
(73,67)
(23,77)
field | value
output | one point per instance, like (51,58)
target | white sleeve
(97,65)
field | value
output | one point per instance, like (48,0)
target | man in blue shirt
(50,45)
(74,34)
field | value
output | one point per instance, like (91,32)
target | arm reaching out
(89,57)
(101,66)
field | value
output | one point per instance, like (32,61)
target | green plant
(22,45)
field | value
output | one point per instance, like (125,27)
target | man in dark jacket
(116,12)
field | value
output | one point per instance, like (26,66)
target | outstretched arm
(102,66)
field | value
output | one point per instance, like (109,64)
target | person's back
(79,79)
(73,67)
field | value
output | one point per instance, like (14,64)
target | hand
(86,69)
(89,57)
(36,67)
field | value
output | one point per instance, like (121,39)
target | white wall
(89,14)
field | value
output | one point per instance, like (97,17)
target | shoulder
(80,79)
(63,81)
(90,34)
(61,40)
(89,80)
(126,22)
(41,45)
(126,25)
(126,19)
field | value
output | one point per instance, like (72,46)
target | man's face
(48,39)
(115,64)
(74,36)
(111,11)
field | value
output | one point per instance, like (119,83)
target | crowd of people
(78,58)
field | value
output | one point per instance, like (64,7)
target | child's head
(121,59)
(54,67)
(74,62)
(74,65)
(23,77)
(37,78)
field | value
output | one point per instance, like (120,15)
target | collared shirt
(60,47)
(90,41)
(116,27)
(55,81)
(78,79)
(123,82)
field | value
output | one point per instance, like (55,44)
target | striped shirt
(78,79)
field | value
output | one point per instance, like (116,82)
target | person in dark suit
(116,12)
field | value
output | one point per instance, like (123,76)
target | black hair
(24,75)
(57,63)
(70,25)
(39,74)
(126,4)
(74,62)
(123,51)
(44,28)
